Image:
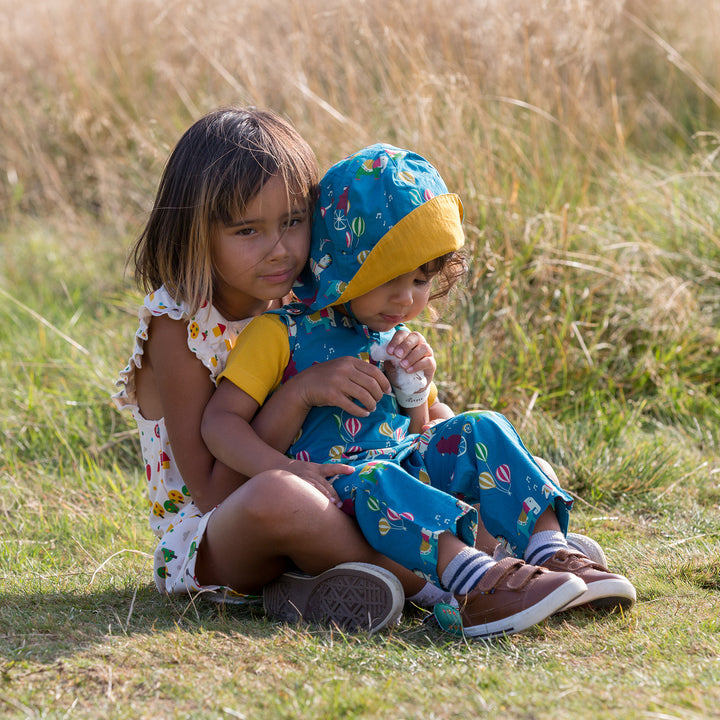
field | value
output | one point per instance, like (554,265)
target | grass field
(584,139)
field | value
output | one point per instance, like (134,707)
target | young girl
(386,227)
(227,236)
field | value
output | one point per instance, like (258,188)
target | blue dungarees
(408,489)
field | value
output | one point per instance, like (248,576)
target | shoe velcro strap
(513,573)
(575,560)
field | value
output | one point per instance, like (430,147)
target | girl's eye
(245,231)
(296,220)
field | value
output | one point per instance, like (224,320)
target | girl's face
(399,300)
(257,257)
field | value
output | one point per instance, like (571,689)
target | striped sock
(543,545)
(430,595)
(464,571)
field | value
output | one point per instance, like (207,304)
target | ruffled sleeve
(209,336)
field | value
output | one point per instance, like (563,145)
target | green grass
(584,143)
(84,634)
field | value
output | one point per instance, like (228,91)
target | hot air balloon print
(502,477)
(392,515)
(336,452)
(358,227)
(352,427)
(486,481)
(406,176)
(425,546)
(415,196)
(386,430)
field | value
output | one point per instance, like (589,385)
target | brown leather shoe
(605,590)
(512,596)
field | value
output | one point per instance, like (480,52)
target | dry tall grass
(501,94)
(583,137)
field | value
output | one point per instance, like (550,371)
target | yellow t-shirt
(262,352)
(258,360)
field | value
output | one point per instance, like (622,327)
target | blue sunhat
(382,212)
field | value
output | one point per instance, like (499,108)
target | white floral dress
(174,519)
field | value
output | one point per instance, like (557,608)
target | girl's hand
(339,382)
(321,476)
(413,355)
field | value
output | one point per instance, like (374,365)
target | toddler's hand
(412,353)
(409,357)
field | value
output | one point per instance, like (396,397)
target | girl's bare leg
(275,520)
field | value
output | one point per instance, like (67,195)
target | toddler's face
(399,300)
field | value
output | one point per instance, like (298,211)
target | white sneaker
(351,596)
(588,547)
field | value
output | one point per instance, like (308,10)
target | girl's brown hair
(216,168)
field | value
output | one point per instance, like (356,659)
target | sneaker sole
(606,595)
(549,605)
(351,596)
